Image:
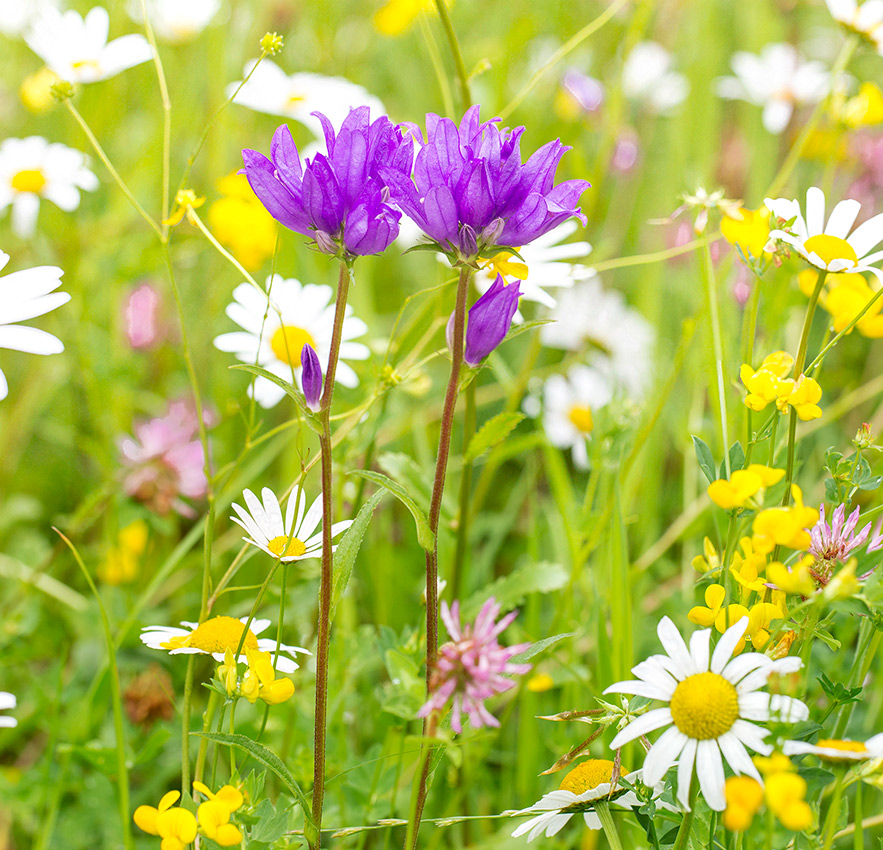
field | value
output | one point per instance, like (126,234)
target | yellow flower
(540,682)
(864,109)
(214,821)
(121,564)
(750,232)
(742,485)
(228,673)
(260,681)
(847,297)
(397,15)
(185,199)
(768,383)
(715,594)
(176,826)
(759,619)
(240,222)
(784,526)
(803,396)
(844,584)
(744,799)
(785,797)
(710,563)
(798,581)
(36,91)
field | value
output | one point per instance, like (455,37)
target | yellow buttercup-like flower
(844,296)
(797,581)
(785,798)
(397,15)
(744,799)
(769,381)
(715,594)
(864,109)
(185,200)
(260,681)
(750,231)
(803,397)
(241,223)
(214,814)
(120,566)
(709,561)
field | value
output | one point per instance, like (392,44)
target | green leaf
(704,458)
(828,639)
(538,647)
(494,431)
(425,537)
(267,758)
(348,548)
(511,590)
(271,826)
(737,456)
(524,327)
(289,388)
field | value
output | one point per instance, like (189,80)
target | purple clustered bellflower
(311,379)
(471,192)
(472,666)
(338,199)
(489,320)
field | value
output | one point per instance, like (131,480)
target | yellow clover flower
(715,594)
(176,826)
(260,681)
(709,561)
(797,581)
(397,15)
(120,566)
(785,798)
(803,397)
(750,231)
(214,814)
(744,799)
(784,526)
(743,485)
(769,381)
(844,296)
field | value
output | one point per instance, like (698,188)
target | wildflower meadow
(439,424)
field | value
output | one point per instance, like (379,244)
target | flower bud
(142,316)
(272,43)
(490,319)
(311,377)
(468,242)
(325,243)
(491,233)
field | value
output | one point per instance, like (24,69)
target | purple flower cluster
(337,199)
(471,192)
(834,543)
(471,666)
(489,320)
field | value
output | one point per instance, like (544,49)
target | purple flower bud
(311,378)
(491,233)
(468,242)
(586,91)
(490,319)
(324,242)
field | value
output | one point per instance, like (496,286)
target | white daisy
(273,91)
(714,705)
(292,539)
(778,80)
(77,48)
(299,314)
(587,783)
(829,245)
(647,76)
(569,407)
(31,169)
(215,636)
(25,295)
(16,15)
(864,19)
(546,265)
(7,700)
(619,340)
(176,20)
(838,750)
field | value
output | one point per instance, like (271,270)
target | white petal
(723,652)
(686,765)
(737,756)
(842,218)
(663,754)
(30,340)
(674,645)
(867,235)
(710,770)
(700,642)
(815,210)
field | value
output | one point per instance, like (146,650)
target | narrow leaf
(425,537)
(348,548)
(289,388)
(705,458)
(539,646)
(494,431)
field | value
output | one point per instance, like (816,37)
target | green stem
(96,146)
(324,615)
(602,809)
(708,279)
(857,815)
(831,817)
(213,700)
(469,422)
(687,823)
(459,64)
(798,371)
(418,789)
(116,699)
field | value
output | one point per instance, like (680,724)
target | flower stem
(687,823)
(438,488)
(602,809)
(324,624)
(469,422)
(798,370)
(462,73)
(833,811)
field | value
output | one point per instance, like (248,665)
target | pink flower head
(832,544)
(142,315)
(471,666)
(165,462)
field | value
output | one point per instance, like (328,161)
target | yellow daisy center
(215,635)
(581,417)
(831,248)
(587,775)
(288,342)
(846,746)
(283,547)
(31,180)
(704,706)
